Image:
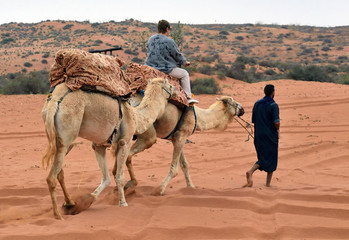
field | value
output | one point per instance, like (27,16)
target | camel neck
(149,109)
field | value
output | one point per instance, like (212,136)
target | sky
(321,13)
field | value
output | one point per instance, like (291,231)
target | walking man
(265,116)
(163,54)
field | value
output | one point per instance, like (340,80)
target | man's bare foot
(249,180)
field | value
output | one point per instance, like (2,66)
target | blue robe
(266,141)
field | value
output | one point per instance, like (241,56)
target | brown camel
(96,117)
(217,116)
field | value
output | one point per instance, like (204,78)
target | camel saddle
(78,69)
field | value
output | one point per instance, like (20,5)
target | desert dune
(309,197)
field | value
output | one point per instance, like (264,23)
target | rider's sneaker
(192,100)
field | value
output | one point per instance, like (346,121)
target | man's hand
(186,64)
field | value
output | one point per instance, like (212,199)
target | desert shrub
(65,38)
(94,25)
(46,55)
(240,38)
(68,26)
(246,60)
(237,70)
(97,42)
(44,61)
(209,58)
(27,64)
(206,69)
(307,51)
(80,31)
(177,35)
(191,68)
(22,83)
(223,33)
(344,79)
(327,41)
(342,59)
(137,60)
(325,49)
(269,72)
(221,68)
(309,73)
(129,51)
(205,86)
(331,69)
(273,54)
(7,40)
(265,63)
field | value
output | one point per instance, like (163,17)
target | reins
(248,127)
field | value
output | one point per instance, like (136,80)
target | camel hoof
(158,191)
(82,202)
(58,216)
(123,204)
(130,184)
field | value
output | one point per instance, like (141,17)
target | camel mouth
(241,111)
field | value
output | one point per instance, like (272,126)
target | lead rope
(248,127)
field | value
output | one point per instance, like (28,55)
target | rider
(164,55)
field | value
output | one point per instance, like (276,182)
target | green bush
(97,42)
(22,83)
(68,26)
(309,73)
(7,40)
(205,86)
(206,69)
(27,64)
(46,55)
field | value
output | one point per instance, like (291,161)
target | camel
(217,116)
(98,118)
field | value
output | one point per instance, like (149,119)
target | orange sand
(309,198)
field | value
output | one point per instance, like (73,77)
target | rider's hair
(163,25)
(269,89)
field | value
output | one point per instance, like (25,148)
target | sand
(309,198)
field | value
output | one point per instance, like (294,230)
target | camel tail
(50,128)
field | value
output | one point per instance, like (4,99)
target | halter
(169,93)
(236,107)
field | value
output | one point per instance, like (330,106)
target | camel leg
(51,179)
(100,153)
(68,202)
(185,168)
(177,148)
(122,152)
(144,141)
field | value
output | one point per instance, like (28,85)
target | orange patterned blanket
(79,68)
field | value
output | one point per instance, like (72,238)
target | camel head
(165,85)
(233,107)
